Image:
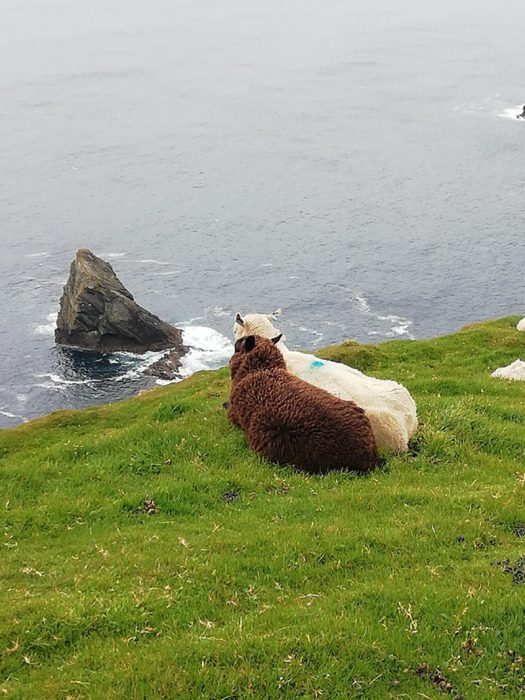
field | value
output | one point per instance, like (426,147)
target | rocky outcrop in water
(98,313)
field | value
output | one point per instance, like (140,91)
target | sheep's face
(254,353)
(256,324)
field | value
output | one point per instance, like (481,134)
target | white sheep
(390,408)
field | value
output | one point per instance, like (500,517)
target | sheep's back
(378,395)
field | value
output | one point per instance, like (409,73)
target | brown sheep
(290,421)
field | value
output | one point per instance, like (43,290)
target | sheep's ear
(277,338)
(275,315)
(239,320)
(249,343)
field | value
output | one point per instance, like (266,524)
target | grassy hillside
(147,553)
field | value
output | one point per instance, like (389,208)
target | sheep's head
(254,353)
(256,324)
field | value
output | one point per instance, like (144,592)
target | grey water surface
(348,161)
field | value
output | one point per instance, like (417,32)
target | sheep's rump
(295,423)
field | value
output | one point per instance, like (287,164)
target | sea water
(358,164)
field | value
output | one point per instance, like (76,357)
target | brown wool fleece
(292,422)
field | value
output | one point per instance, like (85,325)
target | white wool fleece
(389,406)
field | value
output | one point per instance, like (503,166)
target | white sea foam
(112,255)
(362,304)
(209,349)
(49,327)
(141,362)
(312,331)
(512,113)
(138,363)
(56,380)
(7,414)
(146,360)
(305,329)
(402,329)
(151,261)
(490,106)
(400,325)
(318,336)
(38,255)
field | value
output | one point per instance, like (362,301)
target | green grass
(253,581)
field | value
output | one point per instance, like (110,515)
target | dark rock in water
(98,313)
(522,115)
(165,368)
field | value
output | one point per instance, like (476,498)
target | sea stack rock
(98,313)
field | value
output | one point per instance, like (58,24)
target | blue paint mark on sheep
(314,364)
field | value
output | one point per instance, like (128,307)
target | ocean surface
(357,164)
